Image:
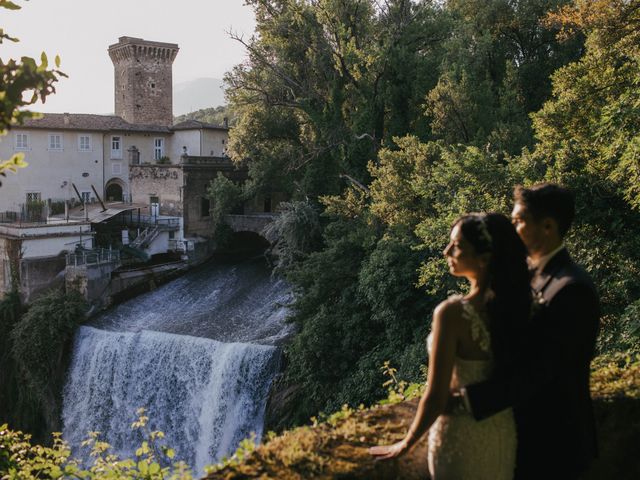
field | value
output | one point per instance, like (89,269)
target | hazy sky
(80,31)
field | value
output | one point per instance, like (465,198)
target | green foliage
(424,107)
(225,196)
(314,98)
(38,344)
(244,450)
(616,375)
(496,60)
(294,233)
(357,306)
(24,82)
(214,115)
(622,333)
(590,126)
(20,460)
(398,390)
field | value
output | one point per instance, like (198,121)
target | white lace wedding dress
(460,447)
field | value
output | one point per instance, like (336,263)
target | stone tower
(143,80)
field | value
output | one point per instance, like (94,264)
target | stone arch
(248,242)
(114,190)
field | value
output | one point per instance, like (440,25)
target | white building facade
(94,152)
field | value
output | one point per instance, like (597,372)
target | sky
(80,31)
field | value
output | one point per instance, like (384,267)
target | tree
(326,83)
(22,83)
(495,71)
(592,123)
(214,115)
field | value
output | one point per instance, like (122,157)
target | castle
(90,176)
(92,153)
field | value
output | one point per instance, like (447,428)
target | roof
(87,121)
(197,125)
(95,214)
(100,216)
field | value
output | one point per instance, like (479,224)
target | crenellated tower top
(143,80)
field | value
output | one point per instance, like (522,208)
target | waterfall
(163,351)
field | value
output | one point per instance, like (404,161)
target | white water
(204,394)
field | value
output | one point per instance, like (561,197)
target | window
(205,207)
(22,141)
(55,141)
(116,168)
(116,147)
(84,143)
(134,155)
(33,197)
(86,196)
(158,148)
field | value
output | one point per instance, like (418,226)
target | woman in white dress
(469,339)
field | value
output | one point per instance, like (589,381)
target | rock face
(339,447)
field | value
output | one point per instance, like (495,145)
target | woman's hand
(385,452)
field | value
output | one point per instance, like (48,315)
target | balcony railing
(92,257)
(153,221)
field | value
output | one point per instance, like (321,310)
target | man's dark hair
(548,200)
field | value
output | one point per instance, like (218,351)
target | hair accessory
(484,231)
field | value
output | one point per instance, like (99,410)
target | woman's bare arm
(446,328)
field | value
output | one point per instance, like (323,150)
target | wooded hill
(384,121)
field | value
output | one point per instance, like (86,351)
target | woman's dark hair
(509,293)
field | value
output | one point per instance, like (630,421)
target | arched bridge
(254,222)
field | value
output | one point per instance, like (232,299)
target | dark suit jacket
(548,381)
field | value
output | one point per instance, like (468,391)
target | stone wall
(143,80)
(92,281)
(38,275)
(197,177)
(163,181)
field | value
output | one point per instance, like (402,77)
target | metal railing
(152,220)
(92,257)
(145,238)
(39,211)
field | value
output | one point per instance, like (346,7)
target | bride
(469,339)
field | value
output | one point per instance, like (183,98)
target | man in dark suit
(548,381)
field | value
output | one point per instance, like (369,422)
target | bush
(294,233)
(19,459)
(38,344)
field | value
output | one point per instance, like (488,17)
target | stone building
(84,158)
(143,80)
(85,151)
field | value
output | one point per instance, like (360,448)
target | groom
(548,381)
